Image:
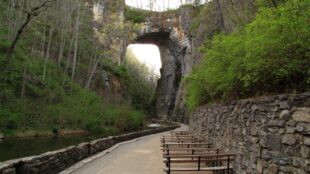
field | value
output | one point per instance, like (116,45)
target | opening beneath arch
(167,87)
(143,64)
(146,54)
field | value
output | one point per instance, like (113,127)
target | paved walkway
(140,156)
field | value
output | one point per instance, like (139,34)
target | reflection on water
(16,148)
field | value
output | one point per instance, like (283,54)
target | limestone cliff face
(171,34)
(108,27)
(220,16)
(217,16)
(178,43)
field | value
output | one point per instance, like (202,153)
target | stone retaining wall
(268,134)
(56,161)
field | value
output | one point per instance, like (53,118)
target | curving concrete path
(139,156)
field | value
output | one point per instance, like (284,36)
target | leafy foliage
(199,12)
(33,100)
(270,55)
(141,82)
(136,15)
(58,101)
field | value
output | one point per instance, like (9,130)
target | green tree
(269,55)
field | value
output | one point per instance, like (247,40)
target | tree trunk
(222,21)
(44,36)
(48,50)
(274,3)
(24,81)
(88,83)
(76,41)
(10,19)
(69,55)
(19,19)
(62,45)
(33,12)
(17,37)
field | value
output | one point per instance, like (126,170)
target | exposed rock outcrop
(218,16)
(178,42)
(170,34)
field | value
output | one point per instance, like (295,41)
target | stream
(17,148)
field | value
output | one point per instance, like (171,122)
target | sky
(148,54)
(159,5)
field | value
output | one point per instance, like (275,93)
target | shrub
(270,55)
(136,15)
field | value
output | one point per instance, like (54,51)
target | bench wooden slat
(185,151)
(188,143)
(177,137)
(189,169)
(203,155)
(189,153)
(203,160)
(182,141)
(188,149)
(165,139)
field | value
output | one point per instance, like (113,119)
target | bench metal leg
(169,165)
(228,161)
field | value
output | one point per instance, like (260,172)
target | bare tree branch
(35,11)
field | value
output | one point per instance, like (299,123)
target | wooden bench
(179,132)
(181,140)
(189,151)
(186,144)
(212,162)
(173,137)
(178,136)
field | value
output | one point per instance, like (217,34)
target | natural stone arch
(169,34)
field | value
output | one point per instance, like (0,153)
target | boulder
(307,141)
(289,139)
(273,169)
(302,115)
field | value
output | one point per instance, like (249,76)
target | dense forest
(270,55)
(53,67)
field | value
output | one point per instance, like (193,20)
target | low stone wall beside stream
(56,161)
(269,135)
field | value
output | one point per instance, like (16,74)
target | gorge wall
(178,34)
(269,135)
(179,40)
(170,33)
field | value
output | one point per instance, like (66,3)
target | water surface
(17,148)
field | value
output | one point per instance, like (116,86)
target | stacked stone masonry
(56,161)
(269,135)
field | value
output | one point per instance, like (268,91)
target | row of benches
(183,152)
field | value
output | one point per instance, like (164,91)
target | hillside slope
(61,74)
